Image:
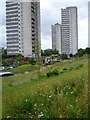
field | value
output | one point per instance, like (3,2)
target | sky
(51,14)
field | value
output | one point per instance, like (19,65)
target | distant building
(56,37)
(22,27)
(89,24)
(69,22)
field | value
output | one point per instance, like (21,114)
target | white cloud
(2,36)
(46,42)
(83,33)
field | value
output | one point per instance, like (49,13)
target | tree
(19,59)
(32,61)
(4,53)
(38,55)
(55,51)
(47,52)
(42,52)
(80,52)
(6,63)
(64,56)
(87,50)
(71,55)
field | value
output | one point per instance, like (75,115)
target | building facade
(69,23)
(56,37)
(22,27)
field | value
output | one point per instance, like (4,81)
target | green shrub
(81,65)
(70,68)
(49,63)
(32,61)
(55,72)
(64,68)
(49,74)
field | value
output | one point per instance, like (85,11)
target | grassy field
(23,68)
(62,96)
(44,69)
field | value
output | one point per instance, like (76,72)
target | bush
(32,61)
(81,65)
(53,73)
(64,68)
(49,63)
(49,74)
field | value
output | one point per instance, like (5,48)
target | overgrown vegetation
(64,95)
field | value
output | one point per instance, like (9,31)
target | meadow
(59,96)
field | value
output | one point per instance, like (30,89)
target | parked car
(7,68)
(2,68)
(6,74)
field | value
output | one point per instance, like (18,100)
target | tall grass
(62,96)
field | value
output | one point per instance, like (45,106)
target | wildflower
(41,114)
(8,116)
(74,89)
(39,94)
(60,116)
(35,105)
(41,104)
(72,92)
(26,100)
(71,106)
(50,96)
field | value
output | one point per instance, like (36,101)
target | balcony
(12,16)
(11,4)
(12,35)
(11,9)
(12,31)
(11,12)
(12,23)
(12,27)
(10,20)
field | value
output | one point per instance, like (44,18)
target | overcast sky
(51,14)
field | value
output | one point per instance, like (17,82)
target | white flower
(50,96)
(60,116)
(71,106)
(35,105)
(8,116)
(40,115)
(72,92)
(26,100)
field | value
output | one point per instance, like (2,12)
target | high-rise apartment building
(89,24)
(56,37)
(22,27)
(69,30)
